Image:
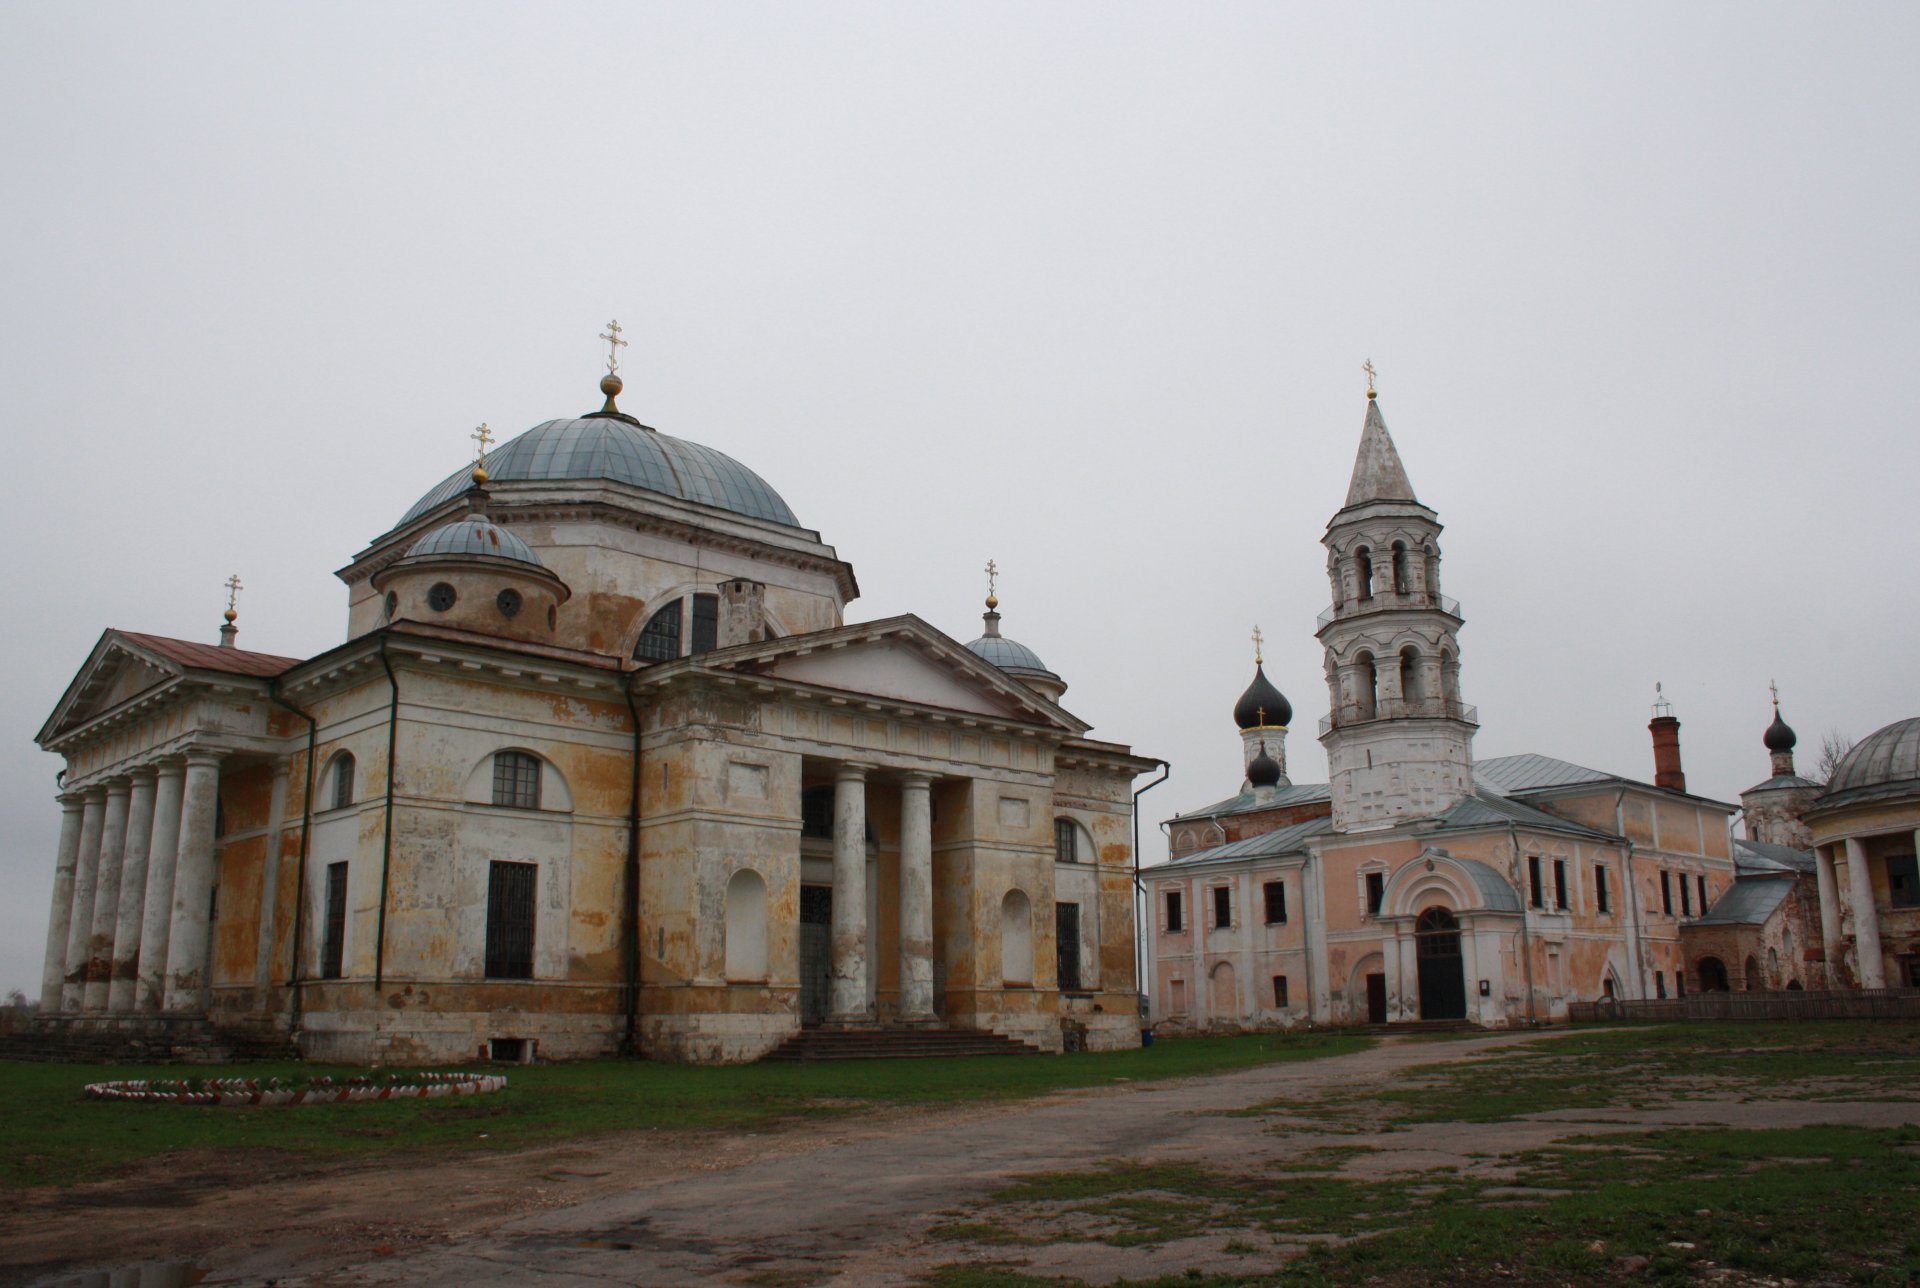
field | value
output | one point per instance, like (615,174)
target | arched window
(1450,682)
(1433,569)
(1402,574)
(341,779)
(1363,561)
(516,780)
(1411,694)
(1367,686)
(1016,938)
(1223,993)
(660,641)
(746,926)
(1712,974)
(1756,982)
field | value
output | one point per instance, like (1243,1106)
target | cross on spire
(993,576)
(1367,367)
(1775,690)
(484,437)
(614,344)
(1258,639)
(233,589)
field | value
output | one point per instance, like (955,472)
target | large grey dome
(1008,655)
(1885,763)
(619,448)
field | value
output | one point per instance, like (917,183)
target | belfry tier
(1399,740)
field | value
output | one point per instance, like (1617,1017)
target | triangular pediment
(899,659)
(117,672)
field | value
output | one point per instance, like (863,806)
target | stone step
(894,1044)
(147,1040)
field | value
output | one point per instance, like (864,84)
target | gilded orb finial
(1367,367)
(993,574)
(483,438)
(233,594)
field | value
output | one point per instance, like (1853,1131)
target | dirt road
(842,1202)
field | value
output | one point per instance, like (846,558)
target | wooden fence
(1835,1004)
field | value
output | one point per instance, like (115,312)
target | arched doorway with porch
(1711,973)
(1443,980)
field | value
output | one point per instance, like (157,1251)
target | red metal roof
(211,657)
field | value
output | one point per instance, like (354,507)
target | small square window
(516,780)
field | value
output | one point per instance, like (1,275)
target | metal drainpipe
(1306,929)
(1526,940)
(629,1045)
(1639,928)
(386,828)
(306,830)
(1139,890)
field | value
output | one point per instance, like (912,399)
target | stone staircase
(894,1043)
(146,1040)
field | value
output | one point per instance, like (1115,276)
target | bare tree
(1834,746)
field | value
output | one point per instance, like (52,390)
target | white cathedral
(601,767)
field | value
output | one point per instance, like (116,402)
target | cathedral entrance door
(1443,981)
(816,951)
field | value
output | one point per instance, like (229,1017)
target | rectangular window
(1066,940)
(1176,996)
(1535,895)
(1686,897)
(1222,906)
(1703,896)
(342,781)
(1279,990)
(1276,895)
(1063,842)
(1903,881)
(333,946)
(1376,892)
(1659,983)
(1560,884)
(706,624)
(510,920)
(1176,921)
(1666,895)
(516,780)
(1679,983)
(1602,897)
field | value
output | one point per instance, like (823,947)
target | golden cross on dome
(1367,367)
(1775,690)
(1258,639)
(484,437)
(993,575)
(1261,712)
(233,593)
(614,344)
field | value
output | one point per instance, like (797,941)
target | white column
(85,877)
(186,985)
(1829,911)
(106,894)
(847,999)
(1866,922)
(156,918)
(916,898)
(133,895)
(53,972)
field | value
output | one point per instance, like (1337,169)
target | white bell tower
(1399,741)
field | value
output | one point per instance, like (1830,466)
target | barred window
(660,641)
(516,780)
(706,624)
(342,780)
(1065,848)
(333,946)
(510,920)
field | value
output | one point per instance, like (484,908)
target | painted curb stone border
(277,1091)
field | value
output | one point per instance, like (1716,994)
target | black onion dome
(1262,705)
(1779,737)
(1263,770)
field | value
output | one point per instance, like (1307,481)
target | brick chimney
(743,612)
(1666,754)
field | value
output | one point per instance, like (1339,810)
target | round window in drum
(508,602)
(440,597)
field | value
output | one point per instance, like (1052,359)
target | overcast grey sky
(1081,288)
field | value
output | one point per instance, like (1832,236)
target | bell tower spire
(1399,741)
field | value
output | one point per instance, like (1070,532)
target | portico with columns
(1865,829)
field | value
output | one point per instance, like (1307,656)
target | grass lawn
(52,1135)
(1815,1205)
